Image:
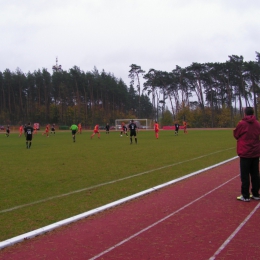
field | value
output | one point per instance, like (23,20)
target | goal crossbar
(143,123)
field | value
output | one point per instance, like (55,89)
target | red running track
(197,218)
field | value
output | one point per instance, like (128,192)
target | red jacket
(247,135)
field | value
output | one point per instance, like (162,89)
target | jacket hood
(249,119)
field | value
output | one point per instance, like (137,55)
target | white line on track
(105,183)
(159,221)
(67,221)
(235,232)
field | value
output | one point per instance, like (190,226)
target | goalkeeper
(74,130)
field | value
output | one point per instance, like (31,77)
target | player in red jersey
(96,131)
(46,131)
(185,127)
(123,129)
(80,128)
(156,129)
(34,129)
(20,130)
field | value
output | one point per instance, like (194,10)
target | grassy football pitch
(57,179)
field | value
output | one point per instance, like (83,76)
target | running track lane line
(67,221)
(110,182)
(235,232)
(159,221)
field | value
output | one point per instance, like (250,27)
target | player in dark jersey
(125,130)
(7,131)
(28,132)
(107,128)
(176,128)
(133,129)
(53,129)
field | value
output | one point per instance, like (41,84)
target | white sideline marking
(103,184)
(235,232)
(67,221)
(159,221)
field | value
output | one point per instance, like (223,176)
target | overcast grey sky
(113,34)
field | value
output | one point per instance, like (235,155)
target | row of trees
(68,97)
(205,95)
(209,89)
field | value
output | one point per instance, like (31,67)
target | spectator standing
(247,134)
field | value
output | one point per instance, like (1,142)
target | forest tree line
(67,97)
(203,94)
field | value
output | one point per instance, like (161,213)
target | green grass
(56,166)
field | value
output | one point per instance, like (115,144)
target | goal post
(141,123)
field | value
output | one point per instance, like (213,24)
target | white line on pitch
(159,221)
(67,221)
(105,183)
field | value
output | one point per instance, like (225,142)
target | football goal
(141,123)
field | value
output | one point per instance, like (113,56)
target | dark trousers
(249,167)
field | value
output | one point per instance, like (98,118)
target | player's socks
(130,140)
(30,145)
(136,140)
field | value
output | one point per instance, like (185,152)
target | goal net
(141,123)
